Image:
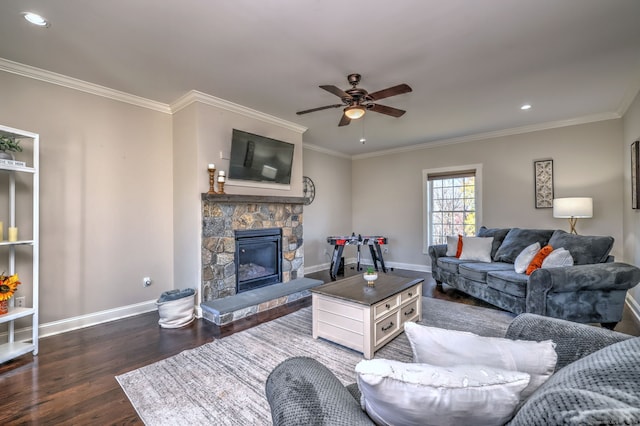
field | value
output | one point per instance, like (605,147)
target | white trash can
(175,308)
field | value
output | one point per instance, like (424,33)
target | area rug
(222,382)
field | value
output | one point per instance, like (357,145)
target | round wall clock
(308,190)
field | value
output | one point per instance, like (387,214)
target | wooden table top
(355,289)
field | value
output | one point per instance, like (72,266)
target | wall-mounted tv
(260,159)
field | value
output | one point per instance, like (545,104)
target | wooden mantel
(237,198)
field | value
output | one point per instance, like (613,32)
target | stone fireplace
(223,216)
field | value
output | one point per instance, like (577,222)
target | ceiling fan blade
(383,109)
(391,91)
(318,109)
(338,92)
(344,121)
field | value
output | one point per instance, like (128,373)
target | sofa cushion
(476,248)
(450,264)
(509,282)
(448,348)
(584,249)
(397,393)
(478,271)
(600,389)
(516,241)
(498,235)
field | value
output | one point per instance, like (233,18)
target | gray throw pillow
(498,235)
(518,239)
(584,249)
(600,389)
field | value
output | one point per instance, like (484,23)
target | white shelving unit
(9,347)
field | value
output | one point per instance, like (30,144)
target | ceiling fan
(358,101)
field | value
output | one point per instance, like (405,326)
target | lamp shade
(354,112)
(573,207)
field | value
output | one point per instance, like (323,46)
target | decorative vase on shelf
(370,277)
(4,307)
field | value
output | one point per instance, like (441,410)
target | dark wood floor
(72,381)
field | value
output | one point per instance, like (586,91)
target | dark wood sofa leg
(609,325)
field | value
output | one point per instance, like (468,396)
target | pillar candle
(212,166)
(220,178)
(221,173)
(13,234)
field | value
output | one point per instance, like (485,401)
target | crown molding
(83,86)
(496,134)
(195,96)
(629,96)
(322,150)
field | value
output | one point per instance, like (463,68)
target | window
(451,203)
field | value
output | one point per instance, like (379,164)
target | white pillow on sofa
(452,245)
(476,248)
(525,257)
(397,393)
(446,348)
(558,258)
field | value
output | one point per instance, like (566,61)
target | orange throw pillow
(459,249)
(536,263)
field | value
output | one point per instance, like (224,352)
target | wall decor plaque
(543,175)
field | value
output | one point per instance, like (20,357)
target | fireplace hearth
(258,258)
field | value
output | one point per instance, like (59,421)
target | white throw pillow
(452,245)
(525,257)
(397,393)
(446,348)
(558,258)
(476,248)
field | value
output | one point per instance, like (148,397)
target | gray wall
(387,190)
(330,212)
(106,197)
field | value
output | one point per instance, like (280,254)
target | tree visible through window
(452,205)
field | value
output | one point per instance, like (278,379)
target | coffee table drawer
(409,293)
(386,306)
(410,311)
(386,328)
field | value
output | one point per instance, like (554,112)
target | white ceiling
(471,63)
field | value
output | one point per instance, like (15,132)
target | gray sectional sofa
(593,290)
(597,382)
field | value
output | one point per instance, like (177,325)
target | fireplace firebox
(258,258)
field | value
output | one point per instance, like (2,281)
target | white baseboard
(74,323)
(634,307)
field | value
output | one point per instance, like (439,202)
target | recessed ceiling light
(525,107)
(35,19)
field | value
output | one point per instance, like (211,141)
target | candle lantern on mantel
(212,178)
(221,180)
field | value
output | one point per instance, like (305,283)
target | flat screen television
(260,159)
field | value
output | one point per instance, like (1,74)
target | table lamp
(573,208)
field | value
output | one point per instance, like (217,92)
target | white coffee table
(364,318)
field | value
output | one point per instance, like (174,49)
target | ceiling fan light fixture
(354,112)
